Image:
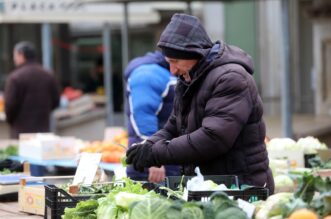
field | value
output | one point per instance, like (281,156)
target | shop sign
(23,7)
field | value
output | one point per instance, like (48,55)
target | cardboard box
(294,158)
(47,146)
(31,198)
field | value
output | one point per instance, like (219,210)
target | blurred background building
(71,33)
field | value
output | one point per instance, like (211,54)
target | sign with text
(42,6)
(87,168)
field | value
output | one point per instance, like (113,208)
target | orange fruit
(303,214)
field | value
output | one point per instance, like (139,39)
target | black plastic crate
(56,200)
(251,194)
(11,165)
(172,182)
(307,157)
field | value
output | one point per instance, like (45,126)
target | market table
(62,163)
(9,210)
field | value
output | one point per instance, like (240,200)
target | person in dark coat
(216,123)
(31,93)
(150,94)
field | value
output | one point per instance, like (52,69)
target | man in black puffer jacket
(216,122)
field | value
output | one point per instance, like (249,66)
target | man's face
(18,58)
(181,67)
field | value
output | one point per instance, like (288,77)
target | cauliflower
(280,144)
(310,144)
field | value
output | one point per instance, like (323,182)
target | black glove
(140,156)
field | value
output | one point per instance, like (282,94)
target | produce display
(11,150)
(96,188)
(8,166)
(308,195)
(112,151)
(312,197)
(299,192)
(2,104)
(309,145)
(71,93)
(285,171)
(134,202)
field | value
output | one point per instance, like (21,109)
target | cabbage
(310,144)
(280,144)
(107,210)
(125,199)
(150,208)
(283,181)
(192,212)
(273,204)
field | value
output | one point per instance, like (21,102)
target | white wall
(213,19)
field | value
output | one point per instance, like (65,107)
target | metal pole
(189,8)
(286,78)
(47,45)
(106,39)
(125,54)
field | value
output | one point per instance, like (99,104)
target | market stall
(301,170)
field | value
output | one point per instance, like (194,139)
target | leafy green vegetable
(174,211)
(125,199)
(231,213)
(123,161)
(151,208)
(83,210)
(5,171)
(306,188)
(107,209)
(207,209)
(315,162)
(221,201)
(273,206)
(192,211)
(294,204)
(322,204)
(11,150)
(173,194)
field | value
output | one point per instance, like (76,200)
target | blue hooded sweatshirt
(150,93)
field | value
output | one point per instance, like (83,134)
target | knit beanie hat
(179,54)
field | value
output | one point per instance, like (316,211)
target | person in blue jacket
(150,93)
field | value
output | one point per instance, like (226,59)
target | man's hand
(140,156)
(156,174)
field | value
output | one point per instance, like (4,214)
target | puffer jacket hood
(150,58)
(222,54)
(185,33)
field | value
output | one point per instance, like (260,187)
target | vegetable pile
(112,151)
(11,150)
(134,202)
(309,145)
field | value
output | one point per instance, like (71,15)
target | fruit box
(47,146)
(31,194)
